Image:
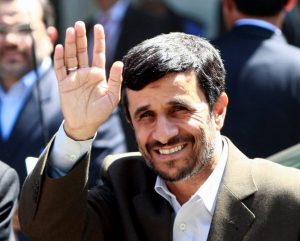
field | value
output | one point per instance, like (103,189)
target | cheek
(141,134)
(197,121)
(25,46)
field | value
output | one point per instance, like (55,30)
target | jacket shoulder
(115,158)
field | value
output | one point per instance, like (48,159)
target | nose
(164,130)
(11,37)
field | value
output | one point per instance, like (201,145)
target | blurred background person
(263,77)
(291,26)
(9,191)
(29,101)
(125,25)
(172,20)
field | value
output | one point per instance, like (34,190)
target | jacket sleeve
(59,209)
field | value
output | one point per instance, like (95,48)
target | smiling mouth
(170,150)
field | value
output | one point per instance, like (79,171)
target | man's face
(19,20)
(174,128)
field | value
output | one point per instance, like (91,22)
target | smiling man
(188,183)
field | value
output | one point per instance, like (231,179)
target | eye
(24,29)
(145,115)
(179,108)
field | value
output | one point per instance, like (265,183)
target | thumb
(115,80)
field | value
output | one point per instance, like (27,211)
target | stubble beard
(201,156)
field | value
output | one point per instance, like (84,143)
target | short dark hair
(173,53)
(260,7)
(48,13)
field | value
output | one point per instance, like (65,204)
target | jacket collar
(232,218)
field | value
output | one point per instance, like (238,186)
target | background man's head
(269,10)
(24,25)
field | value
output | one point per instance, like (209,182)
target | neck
(7,84)
(107,5)
(183,190)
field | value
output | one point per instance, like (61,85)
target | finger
(115,81)
(81,44)
(59,63)
(70,49)
(99,47)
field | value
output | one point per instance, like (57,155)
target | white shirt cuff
(66,152)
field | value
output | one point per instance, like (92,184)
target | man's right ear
(290,5)
(53,34)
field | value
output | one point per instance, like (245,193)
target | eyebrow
(140,110)
(147,107)
(178,102)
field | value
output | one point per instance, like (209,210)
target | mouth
(12,56)
(171,150)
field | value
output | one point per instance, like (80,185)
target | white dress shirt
(193,219)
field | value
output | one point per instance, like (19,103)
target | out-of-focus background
(206,11)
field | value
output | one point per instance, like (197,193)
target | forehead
(20,11)
(172,87)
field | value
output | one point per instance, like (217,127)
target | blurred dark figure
(263,77)
(30,110)
(171,19)
(9,192)
(125,25)
(291,26)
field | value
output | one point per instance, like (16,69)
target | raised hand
(87,98)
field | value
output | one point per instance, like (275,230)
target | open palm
(87,98)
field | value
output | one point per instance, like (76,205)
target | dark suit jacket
(263,84)
(258,201)
(9,191)
(26,138)
(137,25)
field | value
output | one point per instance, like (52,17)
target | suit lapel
(232,218)
(28,121)
(155,212)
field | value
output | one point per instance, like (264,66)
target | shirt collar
(207,192)
(259,23)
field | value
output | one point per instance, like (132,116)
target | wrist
(79,134)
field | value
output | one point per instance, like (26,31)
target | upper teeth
(169,151)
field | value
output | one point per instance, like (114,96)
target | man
(30,110)
(263,77)
(190,183)
(9,191)
(29,100)
(125,25)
